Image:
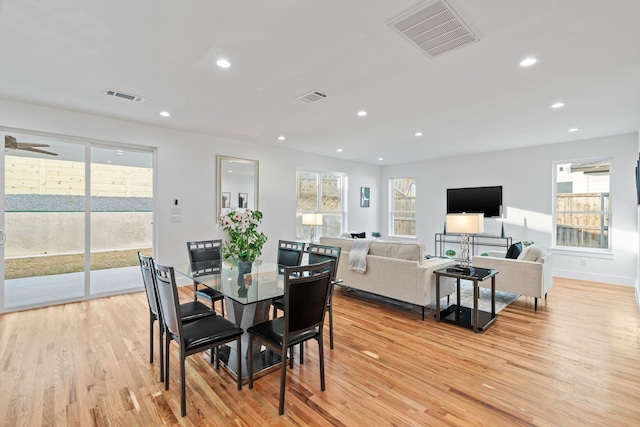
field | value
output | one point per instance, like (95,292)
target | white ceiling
(474,99)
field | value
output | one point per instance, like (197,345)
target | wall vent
(123,95)
(434,28)
(312,96)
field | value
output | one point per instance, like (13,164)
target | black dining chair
(320,253)
(190,311)
(306,294)
(201,251)
(193,337)
(289,255)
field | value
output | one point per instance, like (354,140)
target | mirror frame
(256,173)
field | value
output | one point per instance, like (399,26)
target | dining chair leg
(291,357)
(250,367)
(321,359)
(239,361)
(283,378)
(183,392)
(330,328)
(222,306)
(166,365)
(152,318)
(161,338)
(302,353)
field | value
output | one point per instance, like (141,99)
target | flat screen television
(486,200)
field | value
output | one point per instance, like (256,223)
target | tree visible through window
(320,192)
(403,206)
(582,207)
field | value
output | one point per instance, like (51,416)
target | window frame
(393,213)
(343,202)
(579,250)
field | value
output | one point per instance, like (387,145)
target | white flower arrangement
(245,241)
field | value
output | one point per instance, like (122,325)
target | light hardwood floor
(575,362)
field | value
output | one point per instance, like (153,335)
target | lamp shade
(465,223)
(311,219)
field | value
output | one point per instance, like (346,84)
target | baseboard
(594,277)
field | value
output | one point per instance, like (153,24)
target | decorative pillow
(514,250)
(533,252)
(362,235)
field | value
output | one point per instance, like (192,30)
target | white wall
(186,170)
(526,177)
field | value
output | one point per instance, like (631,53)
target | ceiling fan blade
(37,150)
(12,143)
(23,145)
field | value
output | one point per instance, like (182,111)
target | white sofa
(395,270)
(531,274)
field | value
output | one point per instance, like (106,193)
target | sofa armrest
(517,276)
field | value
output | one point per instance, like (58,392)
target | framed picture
(242,200)
(226,200)
(365,193)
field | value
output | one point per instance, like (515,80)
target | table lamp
(465,224)
(312,220)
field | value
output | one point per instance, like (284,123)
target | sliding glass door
(121,217)
(74,217)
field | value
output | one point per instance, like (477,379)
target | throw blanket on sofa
(358,255)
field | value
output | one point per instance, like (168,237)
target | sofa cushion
(533,252)
(400,250)
(514,251)
(362,235)
(412,251)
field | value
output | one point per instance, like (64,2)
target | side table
(464,316)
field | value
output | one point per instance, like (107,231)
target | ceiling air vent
(434,28)
(123,95)
(313,96)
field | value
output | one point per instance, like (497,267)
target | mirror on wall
(237,184)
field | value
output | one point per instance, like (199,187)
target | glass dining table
(248,296)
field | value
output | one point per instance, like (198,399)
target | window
(582,209)
(403,206)
(323,193)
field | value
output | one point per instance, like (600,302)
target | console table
(464,316)
(475,240)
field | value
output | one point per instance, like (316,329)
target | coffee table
(467,317)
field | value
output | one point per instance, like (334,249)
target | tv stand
(475,241)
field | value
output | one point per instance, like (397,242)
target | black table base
(463,316)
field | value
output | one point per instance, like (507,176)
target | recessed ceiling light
(362,113)
(380,158)
(528,61)
(573,130)
(339,150)
(223,63)
(558,105)
(418,134)
(165,113)
(281,138)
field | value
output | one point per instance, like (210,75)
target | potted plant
(245,241)
(450,253)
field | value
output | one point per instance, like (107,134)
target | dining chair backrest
(168,298)
(205,250)
(149,281)
(290,253)
(307,291)
(320,253)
